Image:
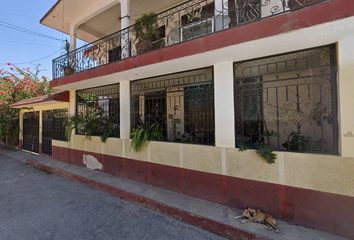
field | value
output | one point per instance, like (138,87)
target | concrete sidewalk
(211,216)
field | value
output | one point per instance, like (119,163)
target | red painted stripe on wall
(320,210)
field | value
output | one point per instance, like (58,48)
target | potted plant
(68,69)
(195,16)
(146,31)
(143,134)
(91,123)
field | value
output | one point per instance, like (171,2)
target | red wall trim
(306,17)
(314,209)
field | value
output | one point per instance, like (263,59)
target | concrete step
(211,216)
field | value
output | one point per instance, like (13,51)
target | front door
(31,132)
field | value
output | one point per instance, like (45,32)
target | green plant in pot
(146,31)
(68,69)
(91,123)
(143,134)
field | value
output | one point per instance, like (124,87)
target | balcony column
(221,17)
(125,23)
(73,37)
(224,105)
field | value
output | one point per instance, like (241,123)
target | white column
(221,17)
(125,22)
(346,96)
(73,37)
(124,99)
(224,105)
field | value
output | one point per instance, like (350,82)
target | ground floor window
(182,104)
(100,108)
(288,101)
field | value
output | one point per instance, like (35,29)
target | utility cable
(24,30)
(33,61)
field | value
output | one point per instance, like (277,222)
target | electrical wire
(24,30)
(33,61)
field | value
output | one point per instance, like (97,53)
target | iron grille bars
(288,101)
(100,103)
(182,104)
(181,23)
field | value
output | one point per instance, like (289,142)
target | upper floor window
(288,101)
(100,103)
(182,105)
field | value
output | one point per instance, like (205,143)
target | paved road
(38,206)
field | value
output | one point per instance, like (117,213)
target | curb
(180,214)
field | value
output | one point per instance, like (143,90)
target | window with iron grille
(182,104)
(60,117)
(100,103)
(288,101)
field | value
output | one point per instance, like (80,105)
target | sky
(20,47)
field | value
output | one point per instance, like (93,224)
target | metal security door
(31,132)
(47,134)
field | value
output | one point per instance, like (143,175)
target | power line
(24,30)
(27,43)
(33,61)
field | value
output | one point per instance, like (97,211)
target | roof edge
(49,11)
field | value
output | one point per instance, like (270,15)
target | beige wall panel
(61,144)
(165,153)
(113,147)
(319,172)
(129,153)
(202,158)
(250,166)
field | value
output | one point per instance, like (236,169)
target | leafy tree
(17,84)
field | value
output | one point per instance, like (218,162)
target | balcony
(181,23)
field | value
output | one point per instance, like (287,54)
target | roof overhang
(65,13)
(42,100)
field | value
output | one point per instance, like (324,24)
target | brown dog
(257,216)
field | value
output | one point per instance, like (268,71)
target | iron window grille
(288,101)
(102,102)
(182,104)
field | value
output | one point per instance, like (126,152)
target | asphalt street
(36,206)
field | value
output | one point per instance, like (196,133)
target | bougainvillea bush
(17,84)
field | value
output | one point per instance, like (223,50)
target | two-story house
(215,76)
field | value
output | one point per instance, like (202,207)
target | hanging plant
(263,150)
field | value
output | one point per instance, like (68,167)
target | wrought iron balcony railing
(181,23)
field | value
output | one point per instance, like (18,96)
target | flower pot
(143,46)
(68,70)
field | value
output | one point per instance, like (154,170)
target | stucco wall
(332,174)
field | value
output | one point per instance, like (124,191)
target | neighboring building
(217,75)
